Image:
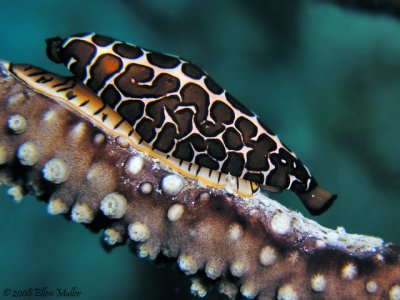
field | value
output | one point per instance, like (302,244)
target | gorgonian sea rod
(85,168)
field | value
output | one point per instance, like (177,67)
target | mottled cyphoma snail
(177,113)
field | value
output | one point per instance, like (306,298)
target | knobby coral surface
(253,247)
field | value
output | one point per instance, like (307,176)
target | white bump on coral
(81,213)
(175,212)
(371,287)
(318,283)
(5,178)
(238,268)
(212,270)
(248,291)
(138,232)
(17,192)
(267,256)
(146,250)
(3,155)
(228,289)
(122,142)
(197,288)
(320,244)
(49,115)
(28,154)
(187,264)
(56,170)
(394,292)
(99,138)
(286,292)
(143,250)
(112,236)
(78,131)
(293,257)
(379,257)
(17,124)
(349,271)
(280,222)
(16,99)
(146,188)
(96,174)
(56,206)
(172,184)
(92,173)
(204,196)
(235,231)
(341,230)
(134,165)
(114,205)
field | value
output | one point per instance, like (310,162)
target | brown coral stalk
(255,247)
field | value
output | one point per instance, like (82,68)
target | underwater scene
(324,78)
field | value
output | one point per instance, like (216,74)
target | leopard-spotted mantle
(177,109)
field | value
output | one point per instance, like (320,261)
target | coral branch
(255,246)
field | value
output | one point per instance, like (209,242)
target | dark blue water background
(326,80)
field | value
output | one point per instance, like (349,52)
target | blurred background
(325,79)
